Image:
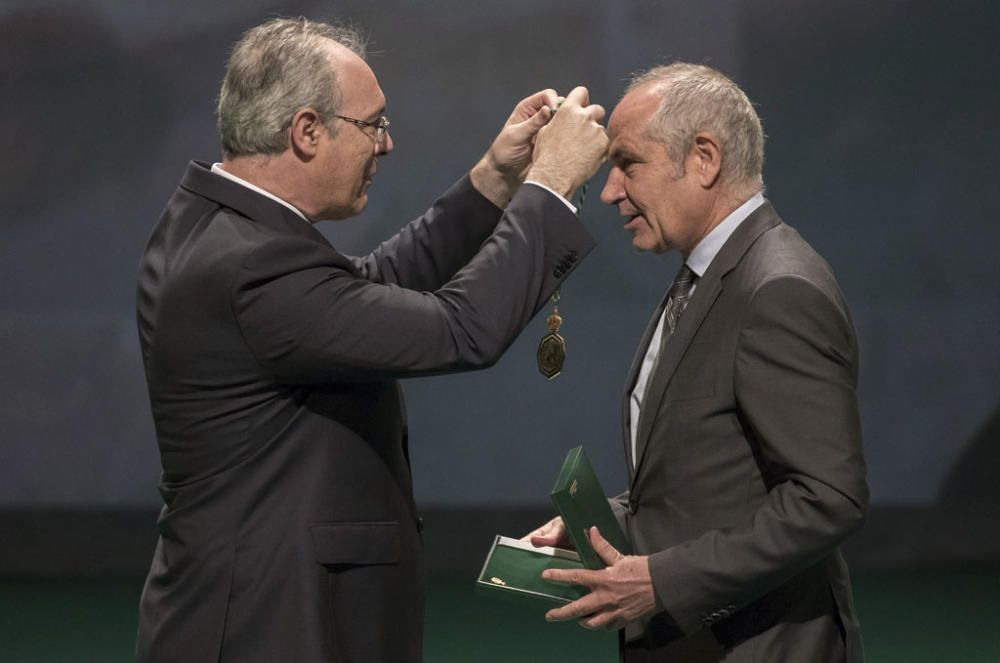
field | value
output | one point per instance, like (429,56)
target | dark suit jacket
(750,468)
(289,531)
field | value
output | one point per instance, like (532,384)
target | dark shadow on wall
(974,476)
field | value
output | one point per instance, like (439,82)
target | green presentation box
(582,503)
(514,568)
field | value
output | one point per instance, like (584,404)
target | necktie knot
(677,296)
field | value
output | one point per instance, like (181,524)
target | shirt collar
(217,169)
(706,250)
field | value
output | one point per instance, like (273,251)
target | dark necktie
(677,299)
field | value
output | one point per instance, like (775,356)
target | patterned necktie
(677,299)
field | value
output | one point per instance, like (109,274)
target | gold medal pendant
(552,348)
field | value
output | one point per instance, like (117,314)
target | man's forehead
(633,111)
(627,126)
(358,85)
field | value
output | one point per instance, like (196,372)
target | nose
(614,189)
(386,145)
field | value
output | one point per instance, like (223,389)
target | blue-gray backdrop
(882,141)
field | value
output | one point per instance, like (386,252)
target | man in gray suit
(740,418)
(289,530)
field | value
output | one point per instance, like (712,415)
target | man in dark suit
(740,418)
(289,530)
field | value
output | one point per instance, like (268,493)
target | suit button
(632,508)
(558,271)
(420,524)
(572,255)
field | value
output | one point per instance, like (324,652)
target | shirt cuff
(568,204)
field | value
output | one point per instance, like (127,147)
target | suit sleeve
(795,378)
(428,251)
(309,317)
(619,507)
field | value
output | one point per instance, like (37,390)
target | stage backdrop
(882,140)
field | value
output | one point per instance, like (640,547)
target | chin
(643,244)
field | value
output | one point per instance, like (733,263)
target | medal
(552,348)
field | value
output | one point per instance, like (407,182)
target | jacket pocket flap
(356,543)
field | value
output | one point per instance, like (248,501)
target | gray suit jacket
(750,469)
(289,530)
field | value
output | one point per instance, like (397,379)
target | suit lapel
(706,292)
(633,375)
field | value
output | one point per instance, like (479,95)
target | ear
(305,133)
(707,158)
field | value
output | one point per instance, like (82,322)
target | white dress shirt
(217,169)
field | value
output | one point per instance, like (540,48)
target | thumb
(605,550)
(527,129)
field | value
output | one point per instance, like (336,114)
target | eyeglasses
(381,124)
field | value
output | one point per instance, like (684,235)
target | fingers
(529,106)
(539,540)
(538,120)
(549,97)
(535,534)
(570,576)
(596,112)
(573,145)
(578,609)
(546,535)
(590,612)
(605,550)
(602,620)
(579,96)
(551,533)
(524,132)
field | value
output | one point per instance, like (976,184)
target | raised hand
(503,168)
(572,146)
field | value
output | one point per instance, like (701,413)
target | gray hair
(275,70)
(697,98)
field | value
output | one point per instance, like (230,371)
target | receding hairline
(337,51)
(636,94)
(695,98)
(348,62)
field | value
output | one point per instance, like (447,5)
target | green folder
(582,503)
(514,568)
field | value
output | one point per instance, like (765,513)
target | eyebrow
(623,153)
